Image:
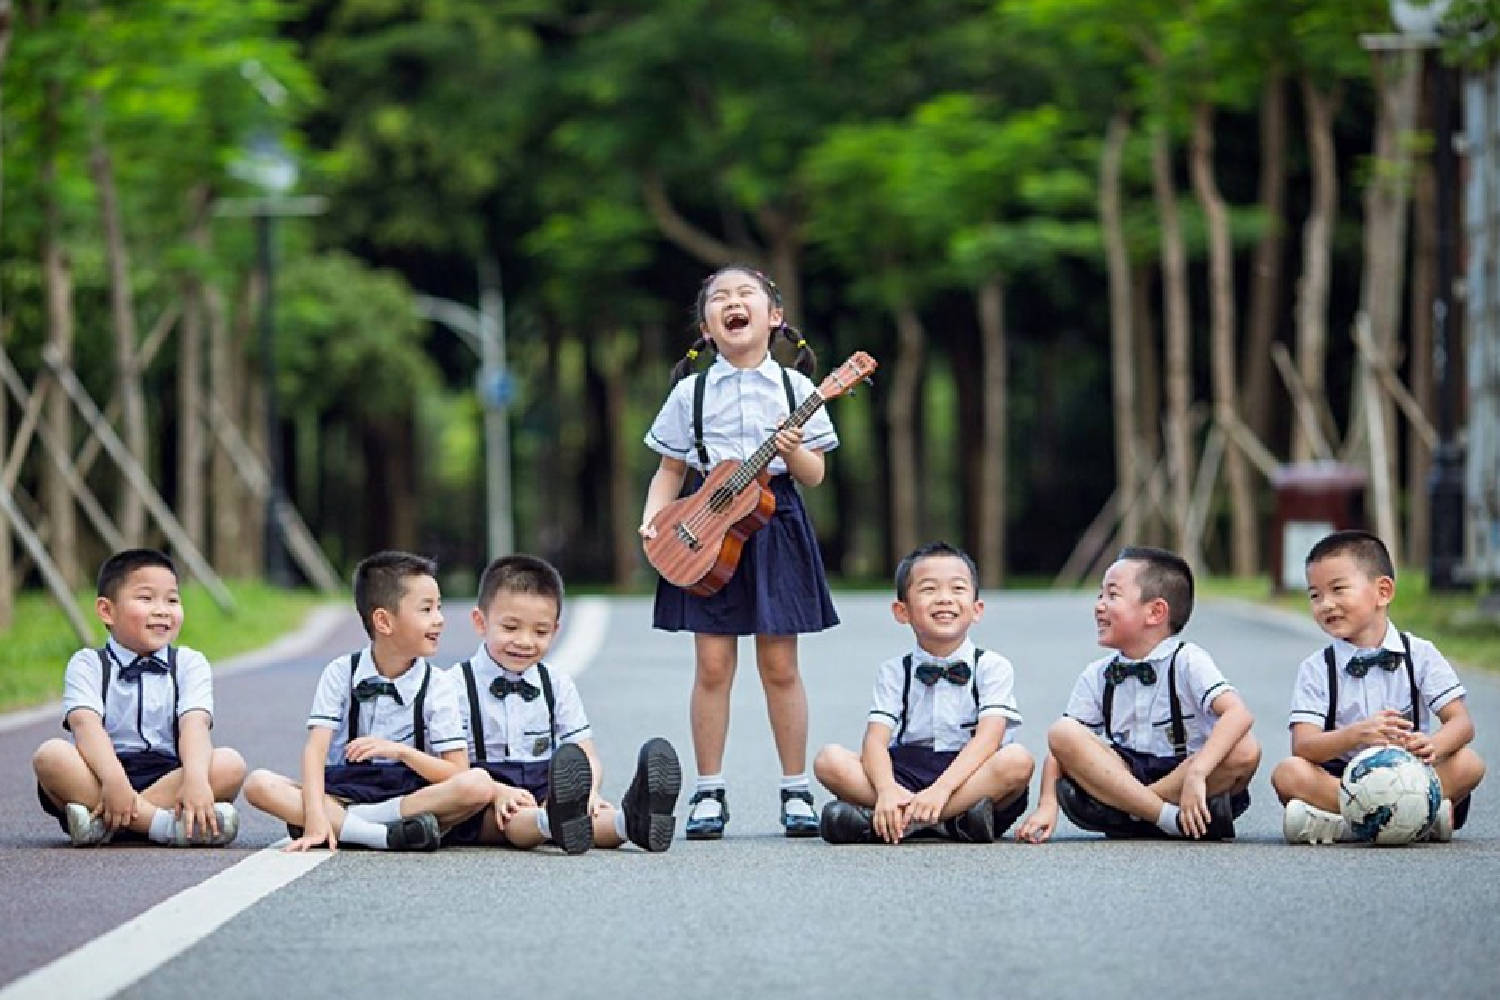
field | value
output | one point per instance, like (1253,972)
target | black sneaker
(1088,813)
(975,825)
(569,781)
(847,823)
(652,795)
(1220,818)
(413,833)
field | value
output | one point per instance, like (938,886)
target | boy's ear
(978,608)
(380,620)
(1385,590)
(477,617)
(105,609)
(900,613)
(1158,611)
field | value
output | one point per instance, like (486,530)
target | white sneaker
(1441,830)
(203,836)
(84,828)
(1305,824)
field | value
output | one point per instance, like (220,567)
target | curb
(320,624)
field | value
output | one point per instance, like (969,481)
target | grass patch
(35,649)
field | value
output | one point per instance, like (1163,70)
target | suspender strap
(905,698)
(547,696)
(353,701)
(476,721)
(104,660)
(1179,730)
(791,397)
(1333,690)
(176,694)
(699,388)
(418,716)
(1109,705)
(974,682)
(1411,677)
(140,706)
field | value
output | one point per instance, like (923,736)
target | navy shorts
(532,775)
(367,782)
(1149,768)
(1460,808)
(916,767)
(144,768)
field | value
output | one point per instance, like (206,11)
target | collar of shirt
(1344,650)
(482,658)
(964,652)
(124,657)
(768,369)
(1160,654)
(408,682)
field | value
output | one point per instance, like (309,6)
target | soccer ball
(1389,796)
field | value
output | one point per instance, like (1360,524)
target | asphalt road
(756,915)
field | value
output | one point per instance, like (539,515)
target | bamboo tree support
(1309,415)
(1260,456)
(1380,455)
(50,573)
(1392,384)
(138,480)
(1203,494)
(89,453)
(253,472)
(1107,525)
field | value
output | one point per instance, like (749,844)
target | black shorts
(144,768)
(532,775)
(1149,768)
(917,767)
(367,782)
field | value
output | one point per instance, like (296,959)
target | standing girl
(779,589)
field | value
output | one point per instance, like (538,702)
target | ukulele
(699,537)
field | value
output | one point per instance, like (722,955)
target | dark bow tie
(1117,671)
(502,686)
(141,665)
(1362,663)
(371,688)
(954,672)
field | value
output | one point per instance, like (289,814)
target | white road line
(586,623)
(115,960)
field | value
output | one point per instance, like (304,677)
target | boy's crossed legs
(1317,785)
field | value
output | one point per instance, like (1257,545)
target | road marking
(113,961)
(582,637)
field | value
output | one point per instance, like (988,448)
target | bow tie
(370,688)
(502,686)
(1362,663)
(142,665)
(954,672)
(1119,670)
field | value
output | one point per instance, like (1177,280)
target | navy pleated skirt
(779,587)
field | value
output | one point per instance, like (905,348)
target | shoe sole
(801,828)
(570,781)
(663,777)
(699,833)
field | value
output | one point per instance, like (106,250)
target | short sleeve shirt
(742,407)
(384,716)
(1141,714)
(138,714)
(1362,697)
(943,715)
(516,729)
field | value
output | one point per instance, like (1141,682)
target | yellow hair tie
(692,354)
(801,344)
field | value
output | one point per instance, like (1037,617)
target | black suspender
(476,719)
(1333,687)
(701,386)
(541,669)
(1178,731)
(906,691)
(105,657)
(418,706)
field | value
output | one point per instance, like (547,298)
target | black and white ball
(1388,796)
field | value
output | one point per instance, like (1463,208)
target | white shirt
(516,729)
(742,407)
(943,715)
(383,716)
(138,714)
(1141,714)
(1362,697)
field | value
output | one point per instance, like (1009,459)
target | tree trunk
(901,419)
(1121,336)
(1265,278)
(991,555)
(1222,348)
(1154,529)
(1317,250)
(57,277)
(1423,290)
(618,359)
(190,425)
(1179,346)
(234,540)
(132,509)
(7,552)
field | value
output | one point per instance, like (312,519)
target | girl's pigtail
(689,361)
(806,361)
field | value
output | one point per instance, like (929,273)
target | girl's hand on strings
(788,440)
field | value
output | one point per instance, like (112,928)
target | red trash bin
(1312,500)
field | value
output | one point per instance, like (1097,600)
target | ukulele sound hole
(687,537)
(721,499)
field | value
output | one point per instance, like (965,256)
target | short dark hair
(1367,551)
(1165,575)
(380,582)
(520,574)
(916,555)
(118,567)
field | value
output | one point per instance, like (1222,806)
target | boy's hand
(369,747)
(1192,805)
(509,801)
(118,805)
(889,805)
(788,440)
(1419,745)
(1039,826)
(315,834)
(195,806)
(1385,727)
(926,806)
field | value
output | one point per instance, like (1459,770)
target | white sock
(361,831)
(378,812)
(709,782)
(163,825)
(544,824)
(1167,821)
(795,782)
(620,825)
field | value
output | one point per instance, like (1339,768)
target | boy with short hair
(140,711)
(528,731)
(1373,685)
(384,764)
(1155,742)
(938,750)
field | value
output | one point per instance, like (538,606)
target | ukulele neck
(762,456)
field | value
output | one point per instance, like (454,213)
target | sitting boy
(1374,685)
(384,764)
(140,710)
(937,753)
(527,729)
(1155,742)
